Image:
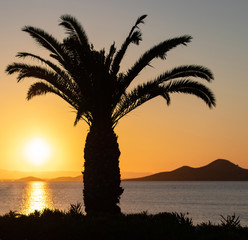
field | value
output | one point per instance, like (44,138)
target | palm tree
(90,81)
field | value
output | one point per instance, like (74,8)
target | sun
(37,151)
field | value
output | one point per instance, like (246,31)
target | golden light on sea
(37,197)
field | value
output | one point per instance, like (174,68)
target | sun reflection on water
(37,197)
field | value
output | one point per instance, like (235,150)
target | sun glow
(37,151)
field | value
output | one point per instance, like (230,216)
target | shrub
(230,221)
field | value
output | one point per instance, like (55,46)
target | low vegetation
(73,224)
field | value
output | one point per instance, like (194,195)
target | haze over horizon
(155,137)
(14,175)
(219,167)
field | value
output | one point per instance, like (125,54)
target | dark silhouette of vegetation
(55,224)
(91,82)
(230,221)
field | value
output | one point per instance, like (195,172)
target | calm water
(202,200)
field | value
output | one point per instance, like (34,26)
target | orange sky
(154,137)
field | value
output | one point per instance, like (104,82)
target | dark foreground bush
(55,224)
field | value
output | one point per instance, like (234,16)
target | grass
(56,224)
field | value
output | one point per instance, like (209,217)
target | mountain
(29,179)
(125,175)
(13,175)
(218,170)
(67,179)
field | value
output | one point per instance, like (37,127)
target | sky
(154,137)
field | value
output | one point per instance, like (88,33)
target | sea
(201,201)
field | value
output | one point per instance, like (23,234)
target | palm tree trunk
(101,171)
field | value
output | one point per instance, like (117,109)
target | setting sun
(37,151)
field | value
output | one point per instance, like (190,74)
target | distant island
(218,170)
(67,179)
(59,179)
(59,176)
(29,179)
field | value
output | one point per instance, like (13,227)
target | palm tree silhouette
(90,81)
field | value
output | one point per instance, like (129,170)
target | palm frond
(147,91)
(54,67)
(30,71)
(141,94)
(41,88)
(158,51)
(47,41)
(83,113)
(140,20)
(74,29)
(185,72)
(133,37)
(166,96)
(110,55)
(68,80)
(12,68)
(191,87)
(77,44)
(136,37)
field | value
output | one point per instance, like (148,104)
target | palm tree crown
(90,80)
